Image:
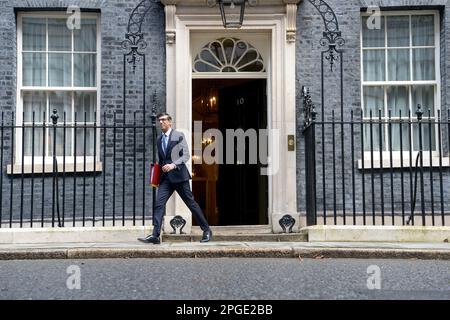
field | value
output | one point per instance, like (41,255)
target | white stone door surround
(277,19)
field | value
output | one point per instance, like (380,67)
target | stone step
(239,229)
(285,237)
(241,233)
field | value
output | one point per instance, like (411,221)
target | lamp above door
(232,11)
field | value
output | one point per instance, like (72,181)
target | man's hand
(168,167)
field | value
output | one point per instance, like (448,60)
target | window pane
(85,38)
(374,65)
(60,142)
(424,95)
(33,34)
(398,64)
(60,69)
(85,102)
(85,136)
(34,101)
(62,102)
(425,137)
(250,55)
(372,37)
(240,48)
(85,69)
(200,66)
(33,69)
(422,30)
(28,141)
(208,57)
(372,137)
(59,36)
(216,49)
(228,45)
(398,31)
(373,101)
(395,128)
(256,66)
(423,64)
(398,99)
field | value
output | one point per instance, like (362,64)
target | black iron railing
(78,173)
(377,169)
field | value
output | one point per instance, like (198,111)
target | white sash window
(58,68)
(400,69)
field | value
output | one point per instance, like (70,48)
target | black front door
(242,196)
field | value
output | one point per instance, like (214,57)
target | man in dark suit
(173,152)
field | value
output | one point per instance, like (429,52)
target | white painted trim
(386,82)
(235,38)
(21,88)
(56,14)
(230,75)
(97,115)
(19,101)
(69,89)
(281,88)
(402,13)
(396,162)
(37,168)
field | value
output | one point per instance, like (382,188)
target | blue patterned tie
(164,143)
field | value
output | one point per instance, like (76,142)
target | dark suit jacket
(178,154)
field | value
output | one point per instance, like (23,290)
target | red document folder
(155,174)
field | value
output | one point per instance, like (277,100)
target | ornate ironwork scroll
(330,41)
(177,222)
(328,16)
(134,38)
(134,44)
(287,222)
(309,109)
(332,36)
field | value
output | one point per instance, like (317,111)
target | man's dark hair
(164,114)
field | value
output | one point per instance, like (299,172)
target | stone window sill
(396,163)
(38,168)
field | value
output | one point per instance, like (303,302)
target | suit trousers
(165,190)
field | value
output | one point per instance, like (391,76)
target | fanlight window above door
(228,55)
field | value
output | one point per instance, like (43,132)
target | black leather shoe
(207,235)
(150,239)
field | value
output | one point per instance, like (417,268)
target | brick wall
(310,27)
(114,20)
